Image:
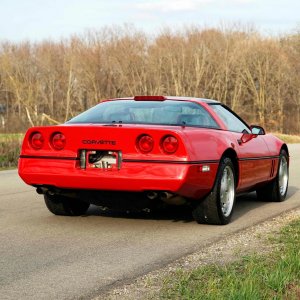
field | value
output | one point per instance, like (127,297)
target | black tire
(212,210)
(276,190)
(65,206)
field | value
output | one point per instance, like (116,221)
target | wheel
(65,206)
(217,207)
(276,190)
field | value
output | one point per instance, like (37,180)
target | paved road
(43,256)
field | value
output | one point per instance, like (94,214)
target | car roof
(176,98)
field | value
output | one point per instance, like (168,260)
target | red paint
(154,157)
(150,98)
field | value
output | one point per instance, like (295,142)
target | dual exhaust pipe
(166,197)
(41,190)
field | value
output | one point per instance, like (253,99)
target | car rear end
(112,158)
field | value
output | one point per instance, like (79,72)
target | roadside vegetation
(10,145)
(288,138)
(274,275)
(50,81)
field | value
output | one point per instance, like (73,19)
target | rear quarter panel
(206,144)
(274,144)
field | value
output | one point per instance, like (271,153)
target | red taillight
(169,144)
(58,141)
(36,140)
(145,143)
(149,98)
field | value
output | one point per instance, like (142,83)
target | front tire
(276,190)
(65,206)
(217,207)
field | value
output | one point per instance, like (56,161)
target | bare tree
(51,81)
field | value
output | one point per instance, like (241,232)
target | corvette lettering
(99,142)
(146,150)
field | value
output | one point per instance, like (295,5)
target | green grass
(10,136)
(10,145)
(272,276)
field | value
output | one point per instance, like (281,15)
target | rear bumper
(187,180)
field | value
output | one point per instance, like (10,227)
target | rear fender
(207,144)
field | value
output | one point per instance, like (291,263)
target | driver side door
(254,159)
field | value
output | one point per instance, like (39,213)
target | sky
(36,20)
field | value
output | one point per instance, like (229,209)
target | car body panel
(183,173)
(254,159)
(186,180)
(139,171)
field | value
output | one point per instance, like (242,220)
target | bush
(10,150)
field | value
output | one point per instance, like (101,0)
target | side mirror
(246,137)
(257,130)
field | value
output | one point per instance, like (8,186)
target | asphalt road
(43,256)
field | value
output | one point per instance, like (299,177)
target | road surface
(43,256)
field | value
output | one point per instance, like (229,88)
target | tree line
(49,82)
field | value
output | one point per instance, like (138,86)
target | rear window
(168,112)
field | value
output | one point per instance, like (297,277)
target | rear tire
(217,207)
(65,206)
(276,190)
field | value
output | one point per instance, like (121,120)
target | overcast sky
(38,19)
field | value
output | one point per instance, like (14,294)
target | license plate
(99,159)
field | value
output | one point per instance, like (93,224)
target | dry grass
(288,138)
(10,145)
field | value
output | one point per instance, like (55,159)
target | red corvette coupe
(141,151)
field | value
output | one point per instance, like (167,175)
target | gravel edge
(233,247)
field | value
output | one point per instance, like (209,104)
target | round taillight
(169,144)
(145,143)
(37,140)
(58,141)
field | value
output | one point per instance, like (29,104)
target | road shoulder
(251,240)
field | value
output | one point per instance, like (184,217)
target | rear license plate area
(100,159)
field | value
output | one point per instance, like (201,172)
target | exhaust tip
(152,195)
(165,196)
(41,190)
(171,198)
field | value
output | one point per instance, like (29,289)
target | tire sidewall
(279,196)
(224,163)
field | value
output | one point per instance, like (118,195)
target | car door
(253,154)
(254,160)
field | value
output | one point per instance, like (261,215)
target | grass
(288,138)
(10,136)
(275,275)
(10,145)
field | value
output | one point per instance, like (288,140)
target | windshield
(168,112)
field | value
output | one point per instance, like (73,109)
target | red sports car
(142,151)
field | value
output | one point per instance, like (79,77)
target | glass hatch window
(231,120)
(168,112)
